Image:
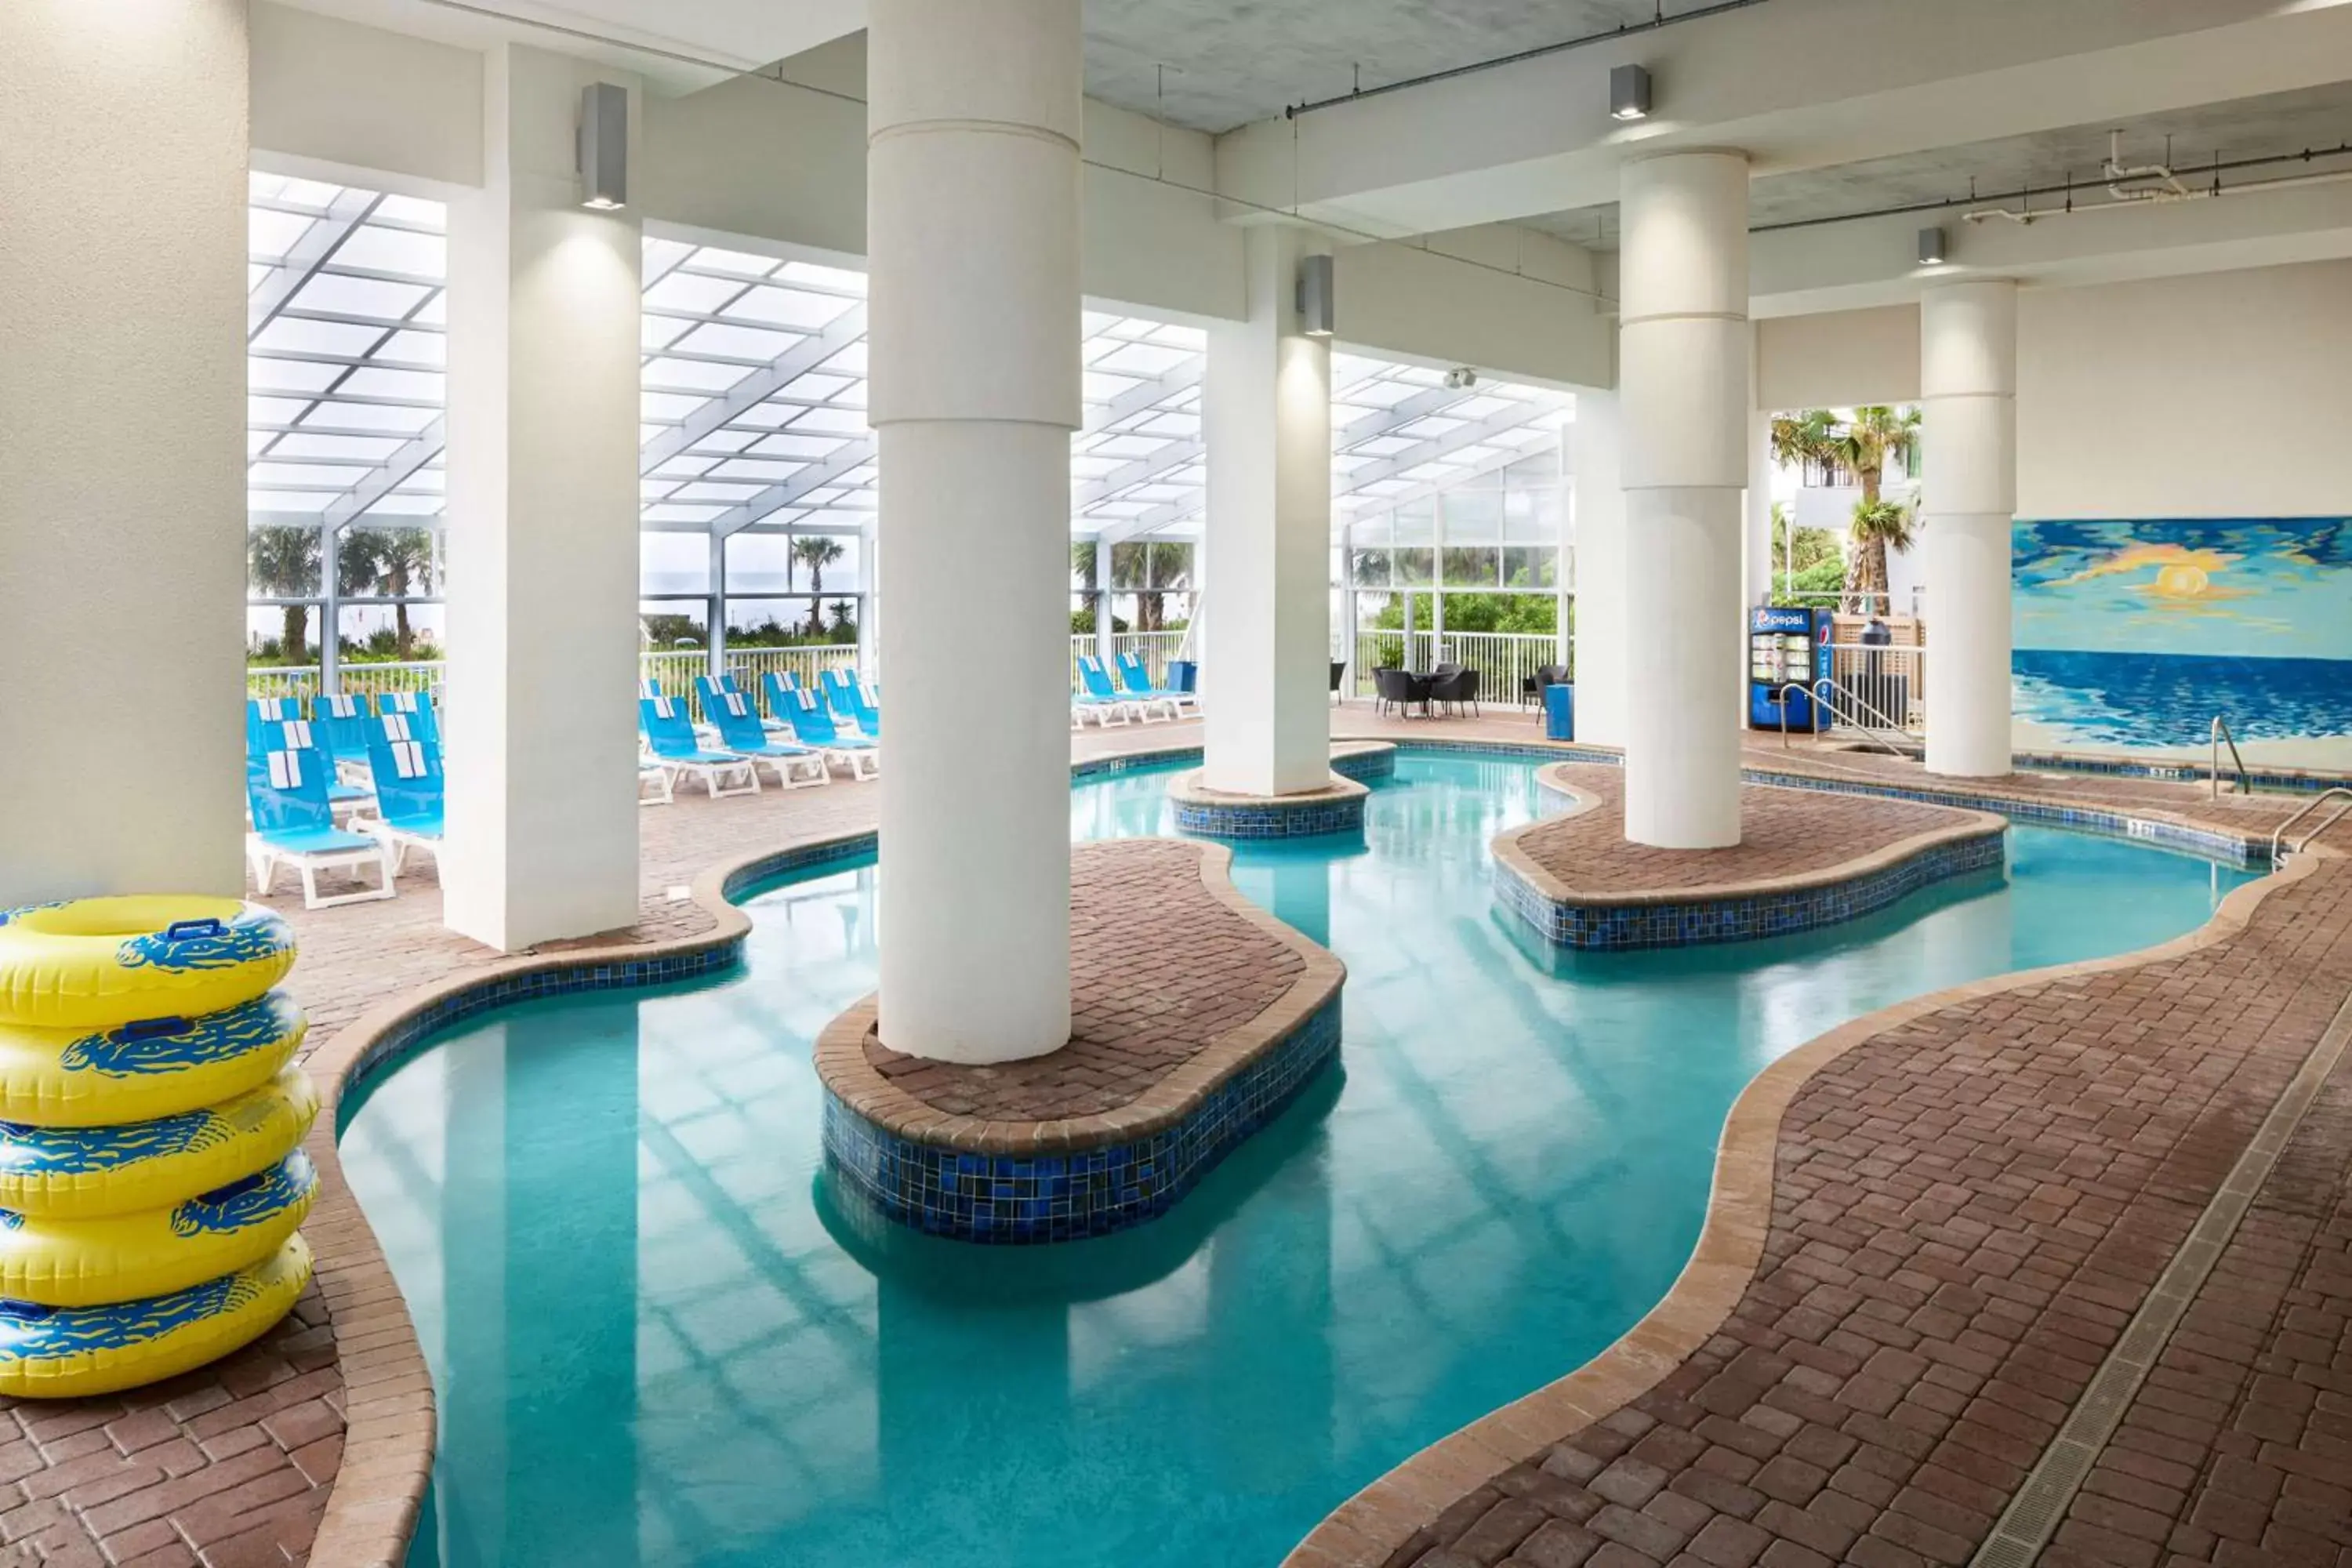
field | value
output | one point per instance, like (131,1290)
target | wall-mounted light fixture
(1629,93)
(1314,300)
(1931,247)
(604,146)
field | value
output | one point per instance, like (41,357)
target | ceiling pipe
(2026,219)
(1658,22)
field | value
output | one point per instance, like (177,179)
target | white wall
(122,240)
(335,92)
(1839,358)
(2225,394)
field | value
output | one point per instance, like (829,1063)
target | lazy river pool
(657,1339)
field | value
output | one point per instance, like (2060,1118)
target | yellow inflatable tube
(67,1352)
(95,964)
(83,1172)
(122,1257)
(138,1072)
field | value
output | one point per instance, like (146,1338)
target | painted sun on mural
(2133,634)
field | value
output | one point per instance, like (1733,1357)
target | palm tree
(1808,436)
(283,564)
(819,550)
(392,561)
(1876,435)
(1879,526)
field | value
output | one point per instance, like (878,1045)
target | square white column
(1601,630)
(543,603)
(122,255)
(1265,695)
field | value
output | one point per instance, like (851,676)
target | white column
(122,220)
(1756,533)
(1682,350)
(972,236)
(716,641)
(1600,530)
(544,308)
(1968,387)
(1265,709)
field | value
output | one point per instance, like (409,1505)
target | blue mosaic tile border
(1270,819)
(1624,926)
(2184,771)
(1014,1200)
(1366,767)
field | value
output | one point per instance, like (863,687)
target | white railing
(356,679)
(675,669)
(1504,660)
(1157,648)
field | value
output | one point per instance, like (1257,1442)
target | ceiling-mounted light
(1315,303)
(1931,247)
(1629,93)
(604,146)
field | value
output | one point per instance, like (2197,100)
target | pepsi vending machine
(1786,648)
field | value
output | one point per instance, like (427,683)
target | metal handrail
(2306,809)
(1824,695)
(2220,732)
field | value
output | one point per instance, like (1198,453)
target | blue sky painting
(2247,588)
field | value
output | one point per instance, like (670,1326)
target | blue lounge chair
(672,742)
(345,721)
(408,791)
(263,735)
(740,731)
(1100,698)
(847,694)
(816,728)
(293,825)
(714,690)
(1137,679)
(417,707)
(782,689)
(648,686)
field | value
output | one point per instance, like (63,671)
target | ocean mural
(2131,635)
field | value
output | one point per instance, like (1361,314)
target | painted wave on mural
(2137,632)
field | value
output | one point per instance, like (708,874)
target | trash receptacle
(1559,712)
(1181,673)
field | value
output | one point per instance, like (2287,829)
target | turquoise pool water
(657,1341)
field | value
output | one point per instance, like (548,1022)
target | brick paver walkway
(1784,834)
(231,1465)
(1159,968)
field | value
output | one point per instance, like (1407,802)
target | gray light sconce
(1314,298)
(1629,93)
(1931,247)
(604,146)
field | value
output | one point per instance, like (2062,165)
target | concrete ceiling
(1234,61)
(2286,122)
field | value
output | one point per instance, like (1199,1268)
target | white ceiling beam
(775,498)
(390,475)
(302,260)
(756,388)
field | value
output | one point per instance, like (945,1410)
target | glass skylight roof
(753,406)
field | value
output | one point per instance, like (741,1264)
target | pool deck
(1946,1214)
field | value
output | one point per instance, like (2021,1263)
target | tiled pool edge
(1236,819)
(1704,915)
(1365,1531)
(1010,1183)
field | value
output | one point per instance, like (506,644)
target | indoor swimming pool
(657,1339)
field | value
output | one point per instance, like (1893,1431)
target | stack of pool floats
(151,1173)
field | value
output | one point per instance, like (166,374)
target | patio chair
(647,686)
(1531,686)
(295,734)
(1136,677)
(656,786)
(1452,686)
(1100,698)
(847,697)
(795,766)
(417,707)
(1338,674)
(345,721)
(714,690)
(672,742)
(781,688)
(813,725)
(1401,690)
(286,792)
(409,792)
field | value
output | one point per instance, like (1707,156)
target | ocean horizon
(2169,700)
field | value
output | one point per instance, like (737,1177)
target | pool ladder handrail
(2306,809)
(2220,732)
(1824,695)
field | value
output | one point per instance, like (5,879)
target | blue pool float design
(138,1050)
(29,1332)
(76,1151)
(258,1197)
(251,938)
(23,910)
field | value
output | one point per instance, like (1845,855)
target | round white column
(1682,386)
(972,240)
(1968,387)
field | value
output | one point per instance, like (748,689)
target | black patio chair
(1400,688)
(1452,686)
(1338,672)
(1531,686)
